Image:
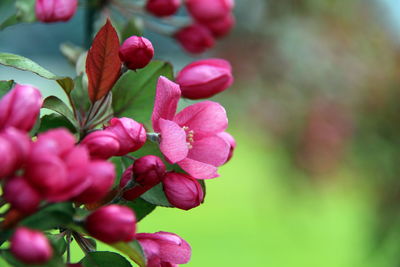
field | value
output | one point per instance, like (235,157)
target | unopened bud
(101,144)
(205,78)
(146,172)
(30,246)
(131,135)
(136,52)
(195,38)
(102,177)
(221,27)
(55,10)
(182,191)
(21,195)
(112,223)
(209,10)
(20,107)
(162,8)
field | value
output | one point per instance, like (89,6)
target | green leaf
(134,92)
(58,242)
(5,86)
(57,105)
(80,96)
(133,250)
(25,12)
(156,196)
(11,20)
(53,121)
(23,63)
(141,208)
(104,259)
(53,216)
(56,261)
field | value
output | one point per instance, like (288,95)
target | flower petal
(197,169)
(204,118)
(166,102)
(211,150)
(173,141)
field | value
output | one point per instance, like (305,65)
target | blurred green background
(315,111)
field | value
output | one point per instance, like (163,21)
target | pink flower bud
(164,249)
(20,107)
(55,10)
(136,52)
(231,141)
(161,8)
(205,78)
(102,177)
(20,142)
(8,157)
(195,38)
(209,10)
(21,195)
(147,172)
(57,141)
(182,191)
(30,246)
(112,223)
(101,144)
(47,173)
(221,27)
(76,162)
(131,135)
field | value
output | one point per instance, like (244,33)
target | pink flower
(205,78)
(161,8)
(20,107)
(136,52)
(55,10)
(190,138)
(30,246)
(195,38)
(164,249)
(182,191)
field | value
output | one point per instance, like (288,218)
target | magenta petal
(173,141)
(197,169)
(166,102)
(204,118)
(212,150)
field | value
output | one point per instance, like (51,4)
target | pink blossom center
(189,136)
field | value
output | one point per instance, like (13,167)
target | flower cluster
(209,20)
(95,170)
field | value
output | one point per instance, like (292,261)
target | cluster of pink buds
(92,174)
(212,19)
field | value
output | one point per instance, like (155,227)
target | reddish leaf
(102,63)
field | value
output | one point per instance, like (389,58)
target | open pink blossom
(164,249)
(190,138)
